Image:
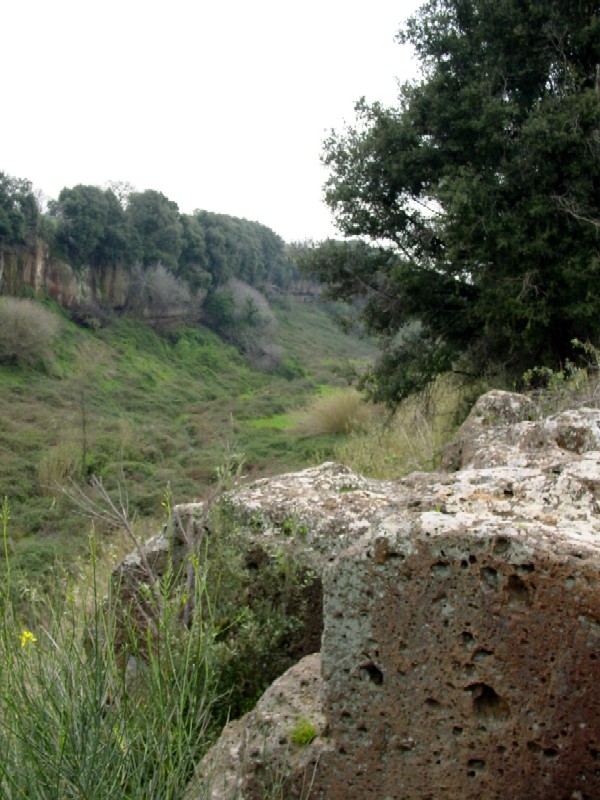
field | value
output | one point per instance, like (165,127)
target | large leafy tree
(19,212)
(480,193)
(157,223)
(91,228)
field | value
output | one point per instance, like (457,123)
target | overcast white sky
(220,105)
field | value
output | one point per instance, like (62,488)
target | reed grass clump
(411,438)
(340,412)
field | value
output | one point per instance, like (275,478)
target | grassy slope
(162,411)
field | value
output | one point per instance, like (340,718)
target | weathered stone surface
(460,660)
(461,646)
(257,755)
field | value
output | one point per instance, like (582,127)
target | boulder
(460,653)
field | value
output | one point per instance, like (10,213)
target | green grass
(128,404)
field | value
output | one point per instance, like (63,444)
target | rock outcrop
(460,653)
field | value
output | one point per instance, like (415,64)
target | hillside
(157,414)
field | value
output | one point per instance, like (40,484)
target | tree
(19,211)
(156,220)
(91,228)
(480,193)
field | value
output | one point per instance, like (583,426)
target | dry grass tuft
(413,438)
(341,412)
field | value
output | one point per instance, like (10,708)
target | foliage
(249,251)
(19,212)
(121,696)
(155,290)
(91,228)
(80,718)
(122,401)
(155,220)
(27,331)
(413,436)
(242,315)
(480,192)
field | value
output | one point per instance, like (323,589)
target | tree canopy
(479,193)
(19,212)
(116,226)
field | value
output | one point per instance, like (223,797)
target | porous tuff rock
(257,755)
(461,646)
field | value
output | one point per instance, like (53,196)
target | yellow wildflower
(26,638)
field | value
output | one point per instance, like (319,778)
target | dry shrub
(27,331)
(414,437)
(342,412)
(156,290)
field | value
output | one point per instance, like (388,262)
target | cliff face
(34,268)
(460,654)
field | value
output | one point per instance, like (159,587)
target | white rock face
(461,642)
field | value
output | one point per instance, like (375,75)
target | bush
(27,331)
(339,413)
(156,291)
(242,315)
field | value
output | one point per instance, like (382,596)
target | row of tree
(105,227)
(479,194)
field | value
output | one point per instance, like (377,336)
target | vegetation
(338,412)
(480,193)
(303,733)
(27,333)
(126,404)
(93,705)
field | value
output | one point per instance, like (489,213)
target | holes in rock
(441,568)
(517,591)
(501,544)
(490,577)
(431,702)
(550,752)
(373,673)
(487,704)
(526,568)
(475,765)
(457,730)
(480,654)
(472,559)
(467,639)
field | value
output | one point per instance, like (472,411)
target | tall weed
(412,438)
(90,711)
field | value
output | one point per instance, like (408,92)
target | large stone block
(461,659)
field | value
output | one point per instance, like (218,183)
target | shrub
(339,413)
(156,290)
(242,315)
(27,331)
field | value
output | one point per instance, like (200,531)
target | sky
(220,105)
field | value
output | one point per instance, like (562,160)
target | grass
(109,696)
(339,412)
(127,404)
(390,446)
